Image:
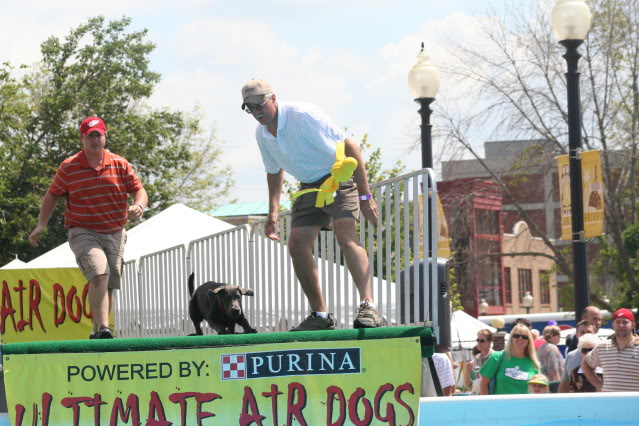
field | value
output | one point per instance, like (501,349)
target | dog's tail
(191,282)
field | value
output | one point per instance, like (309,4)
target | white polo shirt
(305,142)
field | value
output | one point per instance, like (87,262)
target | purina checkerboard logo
(301,362)
(233,366)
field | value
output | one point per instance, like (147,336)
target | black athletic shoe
(104,333)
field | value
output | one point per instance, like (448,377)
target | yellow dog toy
(341,171)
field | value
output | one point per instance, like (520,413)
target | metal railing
(154,301)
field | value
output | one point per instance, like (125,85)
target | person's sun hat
(539,379)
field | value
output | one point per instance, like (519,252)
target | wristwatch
(366,197)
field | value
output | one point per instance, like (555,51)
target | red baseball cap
(624,313)
(92,124)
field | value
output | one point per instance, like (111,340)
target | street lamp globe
(483,306)
(527,301)
(423,78)
(571,19)
(423,83)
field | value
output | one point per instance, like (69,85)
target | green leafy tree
(100,68)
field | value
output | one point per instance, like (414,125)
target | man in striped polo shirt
(619,357)
(96,184)
(300,139)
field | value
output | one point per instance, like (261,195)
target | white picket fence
(154,296)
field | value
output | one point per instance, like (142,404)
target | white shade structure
(571,19)
(423,78)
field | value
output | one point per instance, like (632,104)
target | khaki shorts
(98,254)
(346,205)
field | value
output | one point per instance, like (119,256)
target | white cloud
(24,25)
(224,42)
(206,52)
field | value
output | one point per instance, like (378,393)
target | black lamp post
(571,22)
(423,82)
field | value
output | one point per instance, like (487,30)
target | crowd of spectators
(533,363)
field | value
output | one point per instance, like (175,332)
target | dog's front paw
(250,331)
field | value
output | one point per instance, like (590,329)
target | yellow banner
(444,241)
(330,383)
(564,197)
(592,191)
(443,238)
(44,304)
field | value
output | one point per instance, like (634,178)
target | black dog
(220,305)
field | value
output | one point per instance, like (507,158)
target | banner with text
(44,304)
(359,382)
(592,191)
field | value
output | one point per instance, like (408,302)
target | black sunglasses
(481,340)
(250,108)
(586,350)
(519,336)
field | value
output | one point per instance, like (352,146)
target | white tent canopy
(14,264)
(464,330)
(177,224)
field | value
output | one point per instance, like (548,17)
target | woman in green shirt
(513,367)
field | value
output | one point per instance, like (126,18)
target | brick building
(474,212)
(480,212)
(528,273)
(529,170)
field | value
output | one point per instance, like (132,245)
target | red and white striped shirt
(97,198)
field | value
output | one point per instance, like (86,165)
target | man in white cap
(300,139)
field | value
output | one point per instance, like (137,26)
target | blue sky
(350,57)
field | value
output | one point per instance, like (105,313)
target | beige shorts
(346,205)
(99,254)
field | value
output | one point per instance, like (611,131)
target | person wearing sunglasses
(574,358)
(484,346)
(552,363)
(513,367)
(577,381)
(300,139)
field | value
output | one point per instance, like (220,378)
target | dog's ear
(217,290)
(246,292)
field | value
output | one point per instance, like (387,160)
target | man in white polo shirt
(619,357)
(300,139)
